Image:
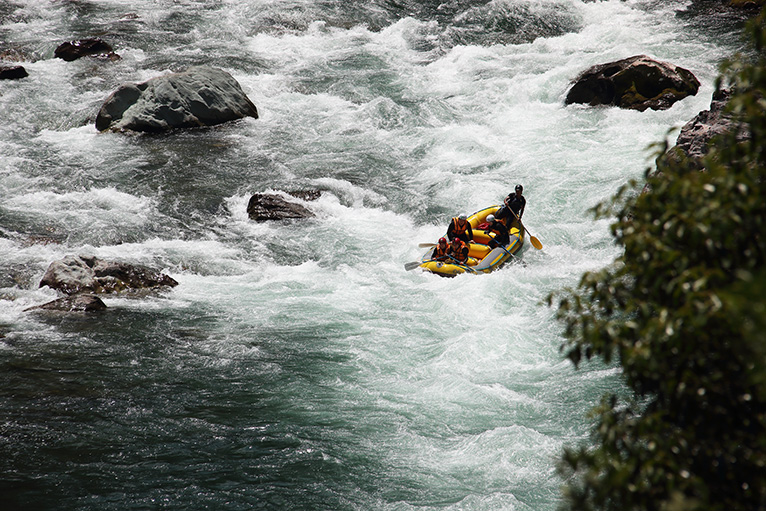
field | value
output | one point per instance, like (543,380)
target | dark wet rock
(12,72)
(693,142)
(76,303)
(267,206)
(694,138)
(81,274)
(92,47)
(636,83)
(200,96)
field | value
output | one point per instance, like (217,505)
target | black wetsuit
(504,214)
(517,203)
(501,234)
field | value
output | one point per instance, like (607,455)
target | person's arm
(469,230)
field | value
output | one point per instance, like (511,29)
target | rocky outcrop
(76,303)
(12,72)
(693,142)
(81,274)
(637,83)
(92,47)
(267,206)
(200,96)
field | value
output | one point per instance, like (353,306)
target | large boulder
(636,83)
(92,47)
(200,96)
(81,274)
(268,206)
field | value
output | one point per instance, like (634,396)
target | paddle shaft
(460,264)
(535,242)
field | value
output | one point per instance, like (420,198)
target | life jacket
(439,252)
(456,227)
(460,253)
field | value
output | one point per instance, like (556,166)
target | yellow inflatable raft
(481,258)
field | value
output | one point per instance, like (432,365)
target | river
(297,365)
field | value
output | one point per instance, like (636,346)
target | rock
(8,72)
(82,274)
(76,303)
(70,275)
(265,206)
(693,142)
(637,83)
(694,138)
(200,96)
(92,47)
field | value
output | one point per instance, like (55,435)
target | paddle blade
(426,245)
(412,265)
(536,243)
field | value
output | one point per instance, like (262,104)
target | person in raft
(501,232)
(440,250)
(458,250)
(516,202)
(512,208)
(460,227)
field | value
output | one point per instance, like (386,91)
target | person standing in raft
(501,232)
(460,227)
(516,203)
(458,250)
(440,251)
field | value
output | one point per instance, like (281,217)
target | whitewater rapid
(297,365)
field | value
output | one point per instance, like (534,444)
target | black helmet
(519,188)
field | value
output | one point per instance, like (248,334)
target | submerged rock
(76,303)
(92,47)
(200,96)
(266,206)
(79,274)
(636,83)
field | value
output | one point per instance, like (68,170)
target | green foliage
(683,311)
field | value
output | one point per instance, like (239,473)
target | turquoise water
(297,365)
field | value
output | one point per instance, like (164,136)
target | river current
(297,365)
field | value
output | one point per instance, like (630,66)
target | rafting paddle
(413,265)
(535,242)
